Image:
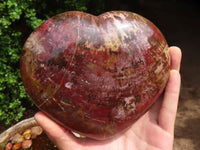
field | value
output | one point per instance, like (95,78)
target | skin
(153,131)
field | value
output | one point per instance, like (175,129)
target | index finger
(175,55)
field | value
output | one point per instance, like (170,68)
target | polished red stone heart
(95,75)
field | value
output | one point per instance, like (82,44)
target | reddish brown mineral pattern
(95,74)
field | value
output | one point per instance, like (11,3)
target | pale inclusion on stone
(42,65)
(129,102)
(85,81)
(35,44)
(68,85)
(129,105)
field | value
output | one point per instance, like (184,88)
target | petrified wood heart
(95,74)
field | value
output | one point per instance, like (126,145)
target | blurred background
(179,21)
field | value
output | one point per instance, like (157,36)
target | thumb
(61,137)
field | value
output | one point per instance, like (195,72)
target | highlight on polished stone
(95,75)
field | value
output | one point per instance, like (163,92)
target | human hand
(153,131)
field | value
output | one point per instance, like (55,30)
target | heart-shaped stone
(95,75)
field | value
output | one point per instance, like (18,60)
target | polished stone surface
(95,75)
